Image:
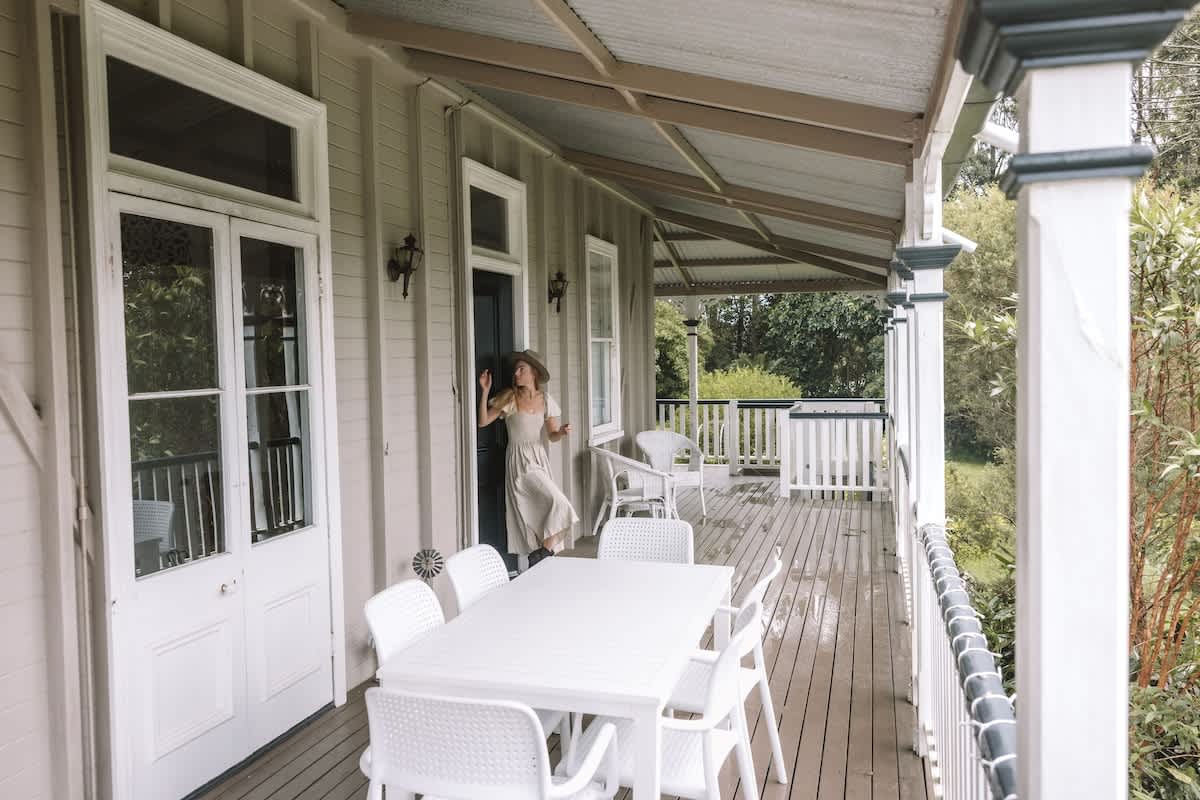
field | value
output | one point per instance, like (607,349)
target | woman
(538,513)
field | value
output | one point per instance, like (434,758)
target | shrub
(1164,744)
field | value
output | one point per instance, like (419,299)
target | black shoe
(537,555)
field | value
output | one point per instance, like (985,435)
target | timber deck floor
(836,648)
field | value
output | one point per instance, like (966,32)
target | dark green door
(493,304)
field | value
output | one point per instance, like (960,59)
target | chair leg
(600,516)
(703,506)
(744,759)
(566,739)
(768,711)
(375,791)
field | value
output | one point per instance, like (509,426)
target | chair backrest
(642,539)
(153,519)
(451,747)
(653,482)
(474,572)
(760,589)
(660,448)
(723,690)
(399,614)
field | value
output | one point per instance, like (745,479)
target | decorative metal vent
(428,564)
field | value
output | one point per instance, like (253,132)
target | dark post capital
(1001,39)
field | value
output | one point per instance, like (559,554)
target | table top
(571,633)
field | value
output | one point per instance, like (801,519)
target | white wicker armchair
(647,489)
(661,448)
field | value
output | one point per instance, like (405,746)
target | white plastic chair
(648,489)
(152,521)
(661,447)
(641,539)
(689,693)
(693,750)
(474,572)
(444,747)
(400,614)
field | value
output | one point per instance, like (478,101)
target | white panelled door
(223,639)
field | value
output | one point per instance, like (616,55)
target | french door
(224,640)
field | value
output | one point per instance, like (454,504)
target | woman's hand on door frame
(485,381)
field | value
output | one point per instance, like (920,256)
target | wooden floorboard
(836,650)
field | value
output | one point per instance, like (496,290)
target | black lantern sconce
(556,290)
(404,261)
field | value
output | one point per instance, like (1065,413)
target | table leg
(647,761)
(722,622)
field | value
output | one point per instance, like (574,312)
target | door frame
(516,264)
(109,31)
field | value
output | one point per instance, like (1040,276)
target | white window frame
(514,263)
(605,432)
(109,31)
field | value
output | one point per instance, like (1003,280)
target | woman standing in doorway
(538,514)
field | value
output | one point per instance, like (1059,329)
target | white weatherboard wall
(25,728)
(397,409)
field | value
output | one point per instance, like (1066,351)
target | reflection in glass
(170,336)
(159,121)
(489,220)
(174,446)
(272,313)
(601,381)
(600,289)
(279,468)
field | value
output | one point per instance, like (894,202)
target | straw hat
(534,360)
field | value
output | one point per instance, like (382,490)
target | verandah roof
(773,139)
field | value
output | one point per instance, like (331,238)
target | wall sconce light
(404,261)
(556,290)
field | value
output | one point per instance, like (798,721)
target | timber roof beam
(739,197)
(791,249)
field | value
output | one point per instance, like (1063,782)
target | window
(162,122)
(604,348)
(489,220)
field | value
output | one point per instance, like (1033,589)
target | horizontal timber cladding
(392,172)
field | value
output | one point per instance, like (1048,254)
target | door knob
(229,588)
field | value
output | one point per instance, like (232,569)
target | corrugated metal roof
(880,52)
(715,248)
(515,20)
(824,177)
(687,206)
(613,135)
(817,235)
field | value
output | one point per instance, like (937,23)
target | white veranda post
(1073,440)
(1072,178)
(693,343)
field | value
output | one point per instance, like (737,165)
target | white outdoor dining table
(576,634)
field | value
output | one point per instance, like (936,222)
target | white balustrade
(832,446)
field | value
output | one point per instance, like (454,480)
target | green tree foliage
(737,325)
(1164,744)
(746,382)
(1164,433)
(985,164)
(1166,106)
(829,345)
(670,350)
(980,337)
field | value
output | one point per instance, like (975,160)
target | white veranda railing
(832,448)
(966,725)
(744,433)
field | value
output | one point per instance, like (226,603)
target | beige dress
(535,507)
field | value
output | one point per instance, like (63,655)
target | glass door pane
(171,354)
(274,333)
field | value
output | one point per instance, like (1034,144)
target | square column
(1069,66)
